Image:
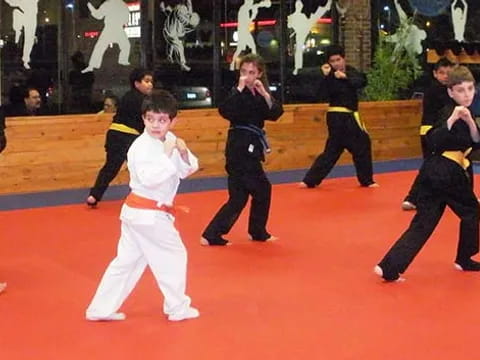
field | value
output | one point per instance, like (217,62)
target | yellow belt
(356,115)
(123,128)
(460,157)
(424,129)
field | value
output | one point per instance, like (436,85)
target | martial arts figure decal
(459,18)
(301,26)
(115,14)
(408,35)
(246,14)
(25,17)
(181,19)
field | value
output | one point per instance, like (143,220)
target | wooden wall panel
(66,151)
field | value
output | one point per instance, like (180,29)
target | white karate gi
(148,237)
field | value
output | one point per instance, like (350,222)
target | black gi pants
(442,182)
(343,133)
(116,146)
(245,177)
(3,141)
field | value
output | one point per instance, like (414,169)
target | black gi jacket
(457,138)
(129,110)
(244,108)
(343,92)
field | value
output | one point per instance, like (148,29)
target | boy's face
(462,93)
(441,74)
(337,62)
(251,73)
(145,86)
(157,124)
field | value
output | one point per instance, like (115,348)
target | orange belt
(139,202)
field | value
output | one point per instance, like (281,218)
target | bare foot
(374,185)
(223,242)
(91,201)
(2,286)
(272,238)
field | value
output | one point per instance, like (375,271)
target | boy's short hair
(161,101)
(138,74)
(334,50)
(443,62)
(458,75)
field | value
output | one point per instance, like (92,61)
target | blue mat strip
(76,196)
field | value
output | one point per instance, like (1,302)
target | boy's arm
(441,136)
(275,110)
(185,162)
(233,108)
(152,173)
(356,78)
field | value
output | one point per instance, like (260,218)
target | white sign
(133,26)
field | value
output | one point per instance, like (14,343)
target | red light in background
(272,22)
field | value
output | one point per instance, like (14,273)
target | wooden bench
(66,151)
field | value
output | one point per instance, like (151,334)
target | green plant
(394,67)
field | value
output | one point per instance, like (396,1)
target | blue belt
(262,135)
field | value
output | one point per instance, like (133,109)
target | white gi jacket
(155,176)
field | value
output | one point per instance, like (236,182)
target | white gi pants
(156,244)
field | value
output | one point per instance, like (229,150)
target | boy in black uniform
(444,180)
(434,99)
(3,138)
(345,129)
(247,107)
(126,126)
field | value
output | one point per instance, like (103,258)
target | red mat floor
(311,295)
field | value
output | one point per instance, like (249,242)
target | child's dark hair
(443,62)
(458,75)
(137,75)
(161,101)
(334,50)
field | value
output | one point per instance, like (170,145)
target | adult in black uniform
(126,126)
(444,180)
(435,98)
(247,107)
(345,129)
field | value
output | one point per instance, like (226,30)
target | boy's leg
(120,277)
(116,147)
(260,188)
(324,163)
(229,212)
(167,257)
(360,147)
(412,196)
(466,207)
(402,253)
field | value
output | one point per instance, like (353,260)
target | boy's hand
(241,83)
(326,68)
(181,146)
(182,149)
(258,85)
(340,74)
(169,144)
(457,113)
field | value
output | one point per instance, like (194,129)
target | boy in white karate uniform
(157,160)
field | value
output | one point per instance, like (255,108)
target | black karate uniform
(435,99)
(344,131)
(442,182)
(244,154)
(3,138)
(129,113)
